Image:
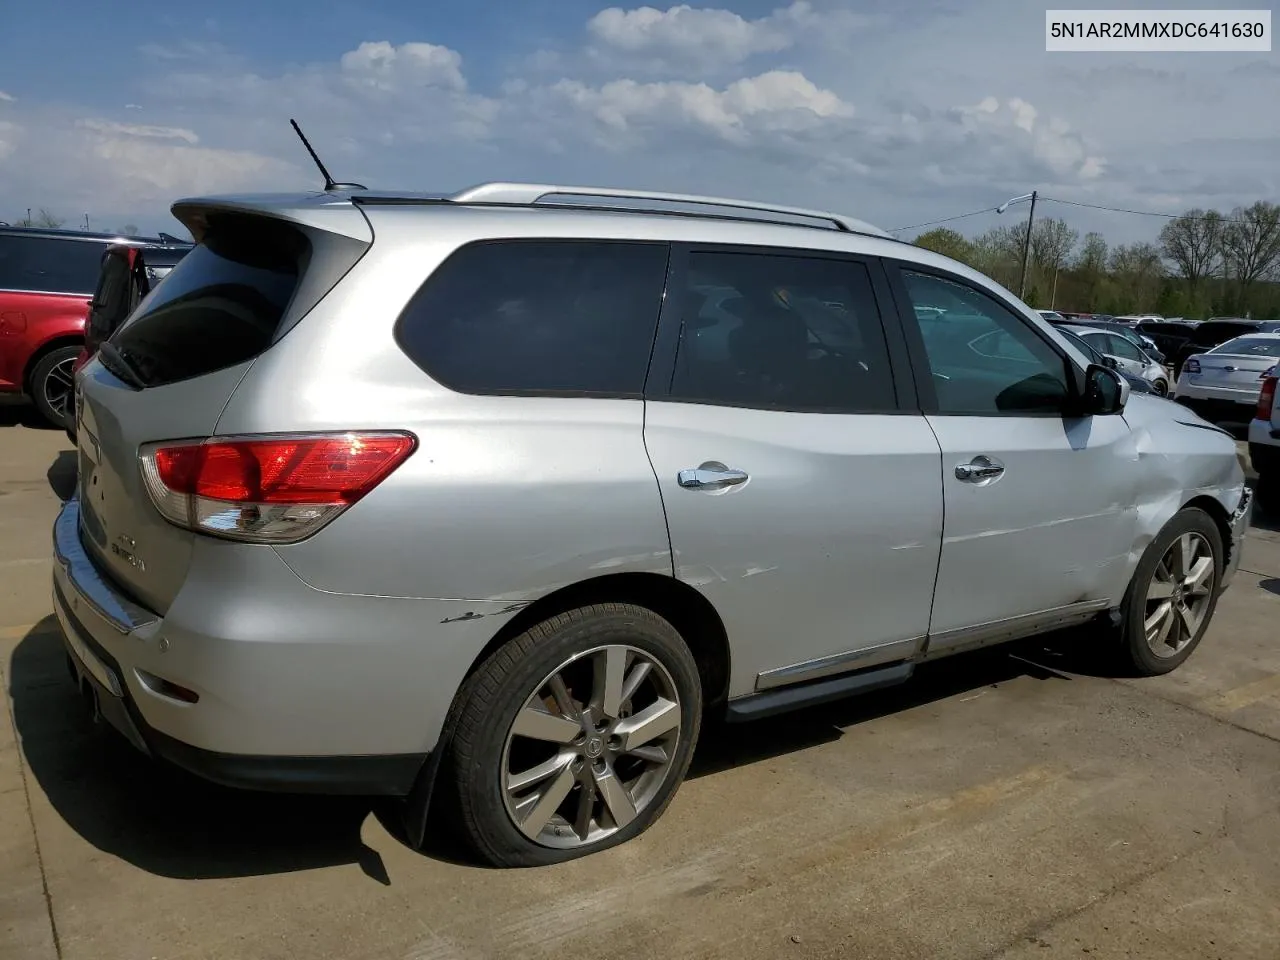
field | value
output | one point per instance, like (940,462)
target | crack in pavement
(31,817)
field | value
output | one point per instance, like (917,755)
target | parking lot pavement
(1005,804)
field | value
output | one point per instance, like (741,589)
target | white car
(1264,436)
(1228,378)
(1128,355)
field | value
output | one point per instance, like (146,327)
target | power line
(961,216)
(1140,213)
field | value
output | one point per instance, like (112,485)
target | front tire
(574,736)
(1174,592)
(53,386)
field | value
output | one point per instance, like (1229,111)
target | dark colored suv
(47,281)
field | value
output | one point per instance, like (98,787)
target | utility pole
(1053,297)
(1026,247)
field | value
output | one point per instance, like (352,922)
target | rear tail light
(1191,366)
(269,489)
(1267,398)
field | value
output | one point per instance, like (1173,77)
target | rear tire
(1160,388)
(572,737)
(52,386)
(1173,595)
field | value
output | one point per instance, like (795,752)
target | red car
(47,283)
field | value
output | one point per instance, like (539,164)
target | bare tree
(1193,243)
(1091,265)
(1138,269)
(1051,244)
(1251,244)
(46,219)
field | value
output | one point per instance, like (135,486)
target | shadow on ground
(155,816)
(169,823)
(62,475)
(17,413)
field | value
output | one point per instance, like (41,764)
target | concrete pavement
(1005,804)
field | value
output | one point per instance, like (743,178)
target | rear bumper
(297,690)
(1190,390)
(113,703)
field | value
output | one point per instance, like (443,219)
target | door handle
(978,469)
(710,476)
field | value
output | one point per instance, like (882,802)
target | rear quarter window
(49,264)
(539,317)
(220,306)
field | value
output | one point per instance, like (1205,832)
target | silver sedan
(1129,356)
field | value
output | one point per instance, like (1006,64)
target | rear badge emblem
(124,547)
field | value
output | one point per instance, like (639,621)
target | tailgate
(119,526)
(168,372)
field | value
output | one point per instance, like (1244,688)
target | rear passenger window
(528,317)
(781,332)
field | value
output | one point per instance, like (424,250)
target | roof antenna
(329,182)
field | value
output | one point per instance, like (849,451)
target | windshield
(1250,347)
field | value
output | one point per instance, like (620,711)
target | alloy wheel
(1179,594)
(59,386)
(591,747)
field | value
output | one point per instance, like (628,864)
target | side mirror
(1106,392)
(1111,363)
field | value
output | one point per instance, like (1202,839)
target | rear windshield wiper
(120,365)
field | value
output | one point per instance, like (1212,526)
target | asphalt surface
(1011,803)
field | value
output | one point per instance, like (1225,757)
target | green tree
(949,243)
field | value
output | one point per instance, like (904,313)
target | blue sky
(894,112)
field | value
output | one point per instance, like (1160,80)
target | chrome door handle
(979,469)
(710,476)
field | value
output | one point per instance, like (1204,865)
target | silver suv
(491,498)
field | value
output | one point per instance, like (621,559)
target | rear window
(49,264)
(529,317)
(1250,346)
(219,307)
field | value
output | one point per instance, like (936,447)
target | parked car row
(49,282)
(490,498)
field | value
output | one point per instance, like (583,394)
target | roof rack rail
(532,194)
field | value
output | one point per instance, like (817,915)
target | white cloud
(385,67)
(1017,123)
(718,34)
(7,97)
(111,128)
(771,101)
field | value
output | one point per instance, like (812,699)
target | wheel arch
(692,615)
(42,351)
(1221,519)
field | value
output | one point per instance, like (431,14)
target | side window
(984,358)
(781,332)
(539,317)
(49,264)
(1120,347)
